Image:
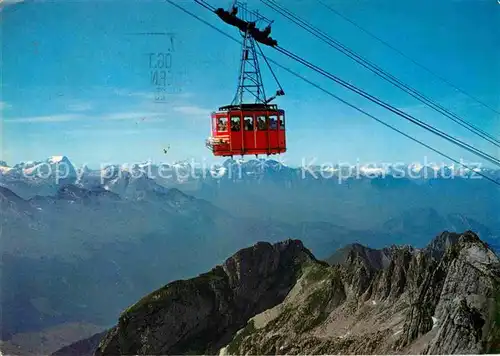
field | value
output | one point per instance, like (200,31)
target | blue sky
(76,81)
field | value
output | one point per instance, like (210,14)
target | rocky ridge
(444,299)
(202,314)
(279,299)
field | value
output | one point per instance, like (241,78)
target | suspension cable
(379,71)
(205,4)
(340,99)
(389,107)
(330,8)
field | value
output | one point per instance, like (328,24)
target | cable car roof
(250,107)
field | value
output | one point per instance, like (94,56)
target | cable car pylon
(249,126)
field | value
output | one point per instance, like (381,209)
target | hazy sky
(76,79)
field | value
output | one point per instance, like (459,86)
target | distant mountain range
(70,235)
(39,177)
(342,196)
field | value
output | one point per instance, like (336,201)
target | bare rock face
(85,347)
(444,299)
(202,314)
(278,299)
(458,296)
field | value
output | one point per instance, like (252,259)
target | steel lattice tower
(250,79)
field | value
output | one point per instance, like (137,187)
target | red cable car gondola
(248,128)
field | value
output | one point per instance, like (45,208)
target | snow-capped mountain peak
(59,167)
(56,159)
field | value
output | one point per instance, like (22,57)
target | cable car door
(236,133)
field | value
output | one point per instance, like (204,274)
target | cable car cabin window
(248,123)
(222,124)
(235,123)
(273,122)
(261,123)
(282,122)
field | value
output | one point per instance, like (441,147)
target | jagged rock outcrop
(278,299)
(443,299)
(202,314)
(457,296)
(85,347)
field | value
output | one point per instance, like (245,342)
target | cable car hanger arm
(279,92)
